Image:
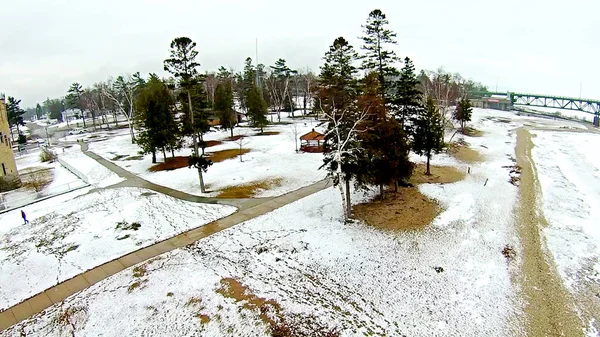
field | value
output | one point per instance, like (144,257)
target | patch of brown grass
(232,288)
(248,190)
(407,209)
(268,133)
(36,178)
(464,153)
(204,319)
(439,175)
(234,138)
(223,155)
(170,165)
(472,132)
(193,301)
(211,143)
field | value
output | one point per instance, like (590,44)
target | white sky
(537,46)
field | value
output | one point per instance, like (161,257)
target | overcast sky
(536,46)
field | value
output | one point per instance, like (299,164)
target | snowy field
(72,236)
(568,168)
(449,279)
(270,157)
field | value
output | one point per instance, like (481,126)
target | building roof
(313,135)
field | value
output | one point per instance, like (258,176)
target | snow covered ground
(448,279)
(270,157)
(90,170)
(568,168)
(71,236)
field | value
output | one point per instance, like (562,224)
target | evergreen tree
(15,115)
(406,97)
(257,109)
(337,92)
(377,58)
(183,66)
(463,113)
(74,101)
(155,105)
(224,105)
(38,111)
(428,132)
(385,157)
(54,107)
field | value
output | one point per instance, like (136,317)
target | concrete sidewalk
(132,180)
(61,291)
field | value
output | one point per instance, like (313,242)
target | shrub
(47,156)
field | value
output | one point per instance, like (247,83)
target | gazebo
(312,142)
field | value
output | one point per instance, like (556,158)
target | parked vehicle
(77,131)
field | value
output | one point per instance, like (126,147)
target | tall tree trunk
(428,157)
(195,137)
(381,191)
(231,129)
(396,186)
(154,156)
(348,203)
(94,120)
(164,154)
(115,118)
(173,152)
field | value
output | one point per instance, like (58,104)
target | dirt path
(549,307)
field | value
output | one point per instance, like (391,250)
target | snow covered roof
(313,135)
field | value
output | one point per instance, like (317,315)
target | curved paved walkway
(61,291)
(133,180)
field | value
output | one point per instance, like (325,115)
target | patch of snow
(569,174)
(89,169)
(79,234)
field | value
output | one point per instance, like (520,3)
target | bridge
(545,101)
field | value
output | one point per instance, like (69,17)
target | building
(9,176)
(498,103)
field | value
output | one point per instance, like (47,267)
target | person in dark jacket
(24,216)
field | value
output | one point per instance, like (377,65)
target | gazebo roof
(313,135)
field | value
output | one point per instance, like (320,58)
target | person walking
(24,216)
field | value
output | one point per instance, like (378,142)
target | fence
(10,201)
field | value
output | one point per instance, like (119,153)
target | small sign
(493,100)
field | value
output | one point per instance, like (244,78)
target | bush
(47,156)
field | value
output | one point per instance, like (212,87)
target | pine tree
(257,109)
(183,66)
(74,101)
(224,105)
(38,111)
(377,58)
(385,157)
(428,132)
(155,105)
(336,94)
(463,113)
(406,97)
(15,115)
